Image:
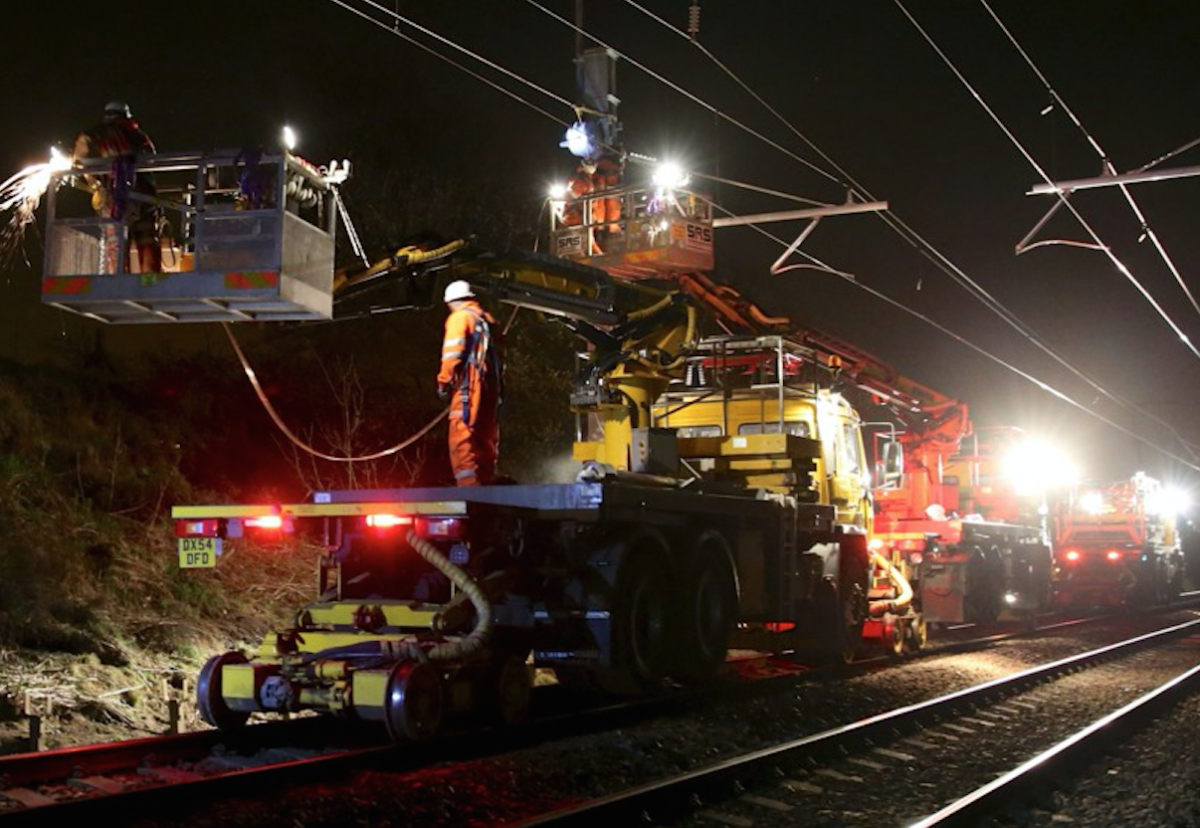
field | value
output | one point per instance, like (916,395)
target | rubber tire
(895,642)
(414,705)
(983,596)
(210,702)
(507,688)
(641,628)
(837,614)
(708,611)
(916,634)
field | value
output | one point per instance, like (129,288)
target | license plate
(196,553)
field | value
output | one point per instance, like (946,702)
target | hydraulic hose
(470,644)
(904,589)
(475,640)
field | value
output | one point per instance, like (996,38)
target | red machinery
(947,504)
(1115,543)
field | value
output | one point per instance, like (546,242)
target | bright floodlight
(558,192)
(1173,501)
(289,138)
(670,176)
(1092,502)
(1034,468)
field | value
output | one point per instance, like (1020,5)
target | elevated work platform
(244,237)
(658,232)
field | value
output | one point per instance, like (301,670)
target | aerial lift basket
(245,236)
(658,232)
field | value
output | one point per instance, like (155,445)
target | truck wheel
(209,699)
(641,624)
(413,704)
(507,688)
(983,593)
(916,633)
(708,609)
(840,618)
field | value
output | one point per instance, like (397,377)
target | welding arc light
(670,175)
(289,137)
(558,192)
(578,141)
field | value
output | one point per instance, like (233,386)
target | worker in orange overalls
(120,138)
(472,377)
(606,175)
(579,187)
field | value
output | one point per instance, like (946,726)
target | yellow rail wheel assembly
(210,697)
(413,705)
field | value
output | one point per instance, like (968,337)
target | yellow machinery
(722,503)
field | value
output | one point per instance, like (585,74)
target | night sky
(856,78)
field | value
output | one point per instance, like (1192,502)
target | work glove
(443,392)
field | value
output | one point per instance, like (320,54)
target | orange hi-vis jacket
(470,359)
(471,366)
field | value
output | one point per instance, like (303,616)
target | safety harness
(482,356)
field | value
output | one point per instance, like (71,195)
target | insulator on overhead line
(694,19)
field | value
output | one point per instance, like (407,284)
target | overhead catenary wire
(677,88)
(1104,157)
(1044,386)
(426,48)
(1112,257)
(925,248)
(898,225)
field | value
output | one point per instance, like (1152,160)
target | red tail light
(264,522)
(1072,555)
(1113,554)
(383,522)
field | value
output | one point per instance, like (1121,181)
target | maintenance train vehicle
(724,500)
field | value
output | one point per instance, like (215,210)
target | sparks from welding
(21,194)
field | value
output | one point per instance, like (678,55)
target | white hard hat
(458,290)
(116,109)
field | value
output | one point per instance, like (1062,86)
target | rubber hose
(902,600)
(475,640)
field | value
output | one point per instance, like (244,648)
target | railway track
(883,770)
(141,776)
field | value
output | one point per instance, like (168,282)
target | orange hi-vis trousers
(474,449)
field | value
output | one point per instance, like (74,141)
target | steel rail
(1047,768)
(674,797)
(28,782)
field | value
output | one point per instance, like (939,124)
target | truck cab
(744,408)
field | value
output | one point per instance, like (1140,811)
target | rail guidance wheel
(209,699)
(413,705)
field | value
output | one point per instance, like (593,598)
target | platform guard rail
(245,236)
